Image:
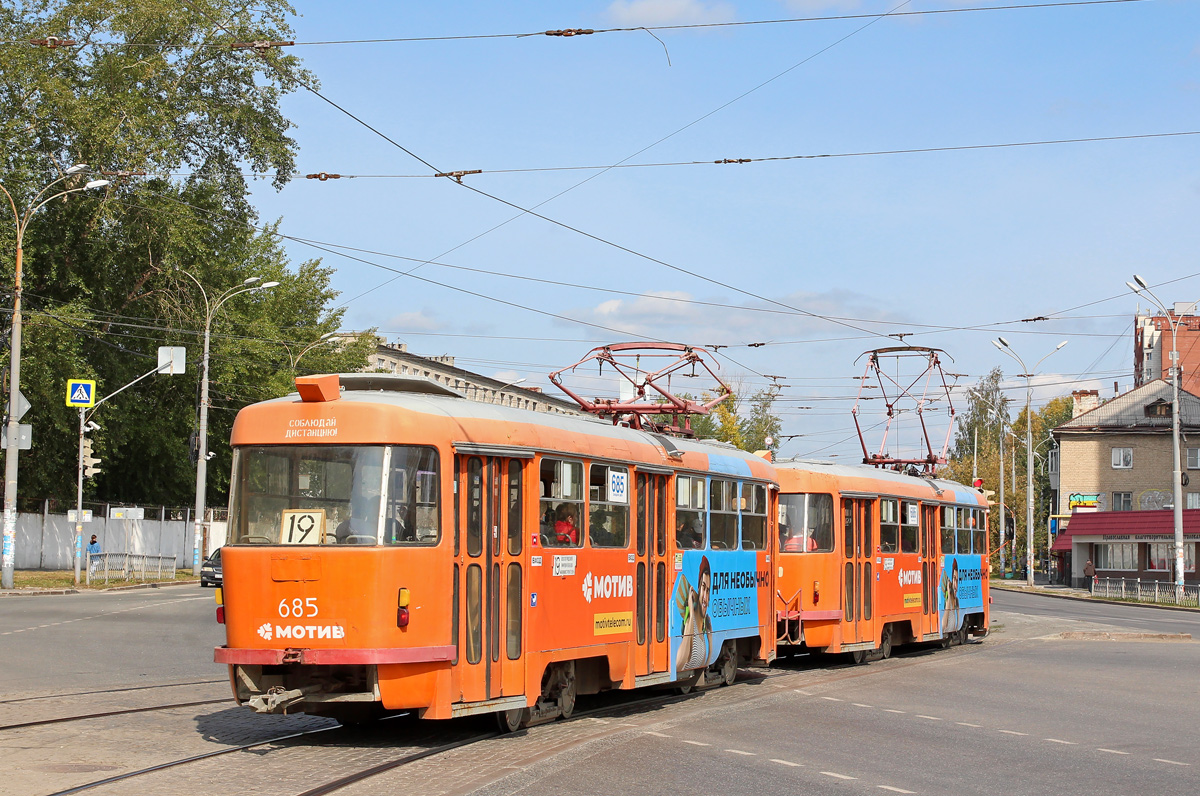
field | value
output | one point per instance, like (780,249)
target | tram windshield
(335,494)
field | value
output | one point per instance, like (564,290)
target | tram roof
(418,394)
(961,492)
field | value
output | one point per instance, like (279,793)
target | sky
(820,258)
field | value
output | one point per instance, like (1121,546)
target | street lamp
(319,341)
(210,308)
(1004,346)
(1141,289)
(8,548)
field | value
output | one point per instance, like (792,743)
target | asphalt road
(1022,712)
(1134,618)
(107,640)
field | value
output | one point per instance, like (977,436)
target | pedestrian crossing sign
(81,392)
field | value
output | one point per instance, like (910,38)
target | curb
(1091,599)
(57,592)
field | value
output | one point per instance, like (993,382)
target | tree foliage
(152,88)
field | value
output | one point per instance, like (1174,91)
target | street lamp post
(1004,346)
(8,547)
(1141,289)
(210,308)
(319,341)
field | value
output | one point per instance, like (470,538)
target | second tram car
(871,558)
(395,546)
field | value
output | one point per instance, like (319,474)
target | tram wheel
(858,657)
(962,636)
(566,697)
(729,667)
(885,643)
(512,720)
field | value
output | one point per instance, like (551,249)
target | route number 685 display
(297,607)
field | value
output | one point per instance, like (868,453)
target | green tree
(762,424)
(152,88)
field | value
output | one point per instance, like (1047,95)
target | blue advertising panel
(715,598)
(960,590)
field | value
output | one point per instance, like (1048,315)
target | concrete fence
(47,541)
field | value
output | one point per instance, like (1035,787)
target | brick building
(395,358)
(1152,346)
(1116,459)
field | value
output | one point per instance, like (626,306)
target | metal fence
(1159,592)
(129,566)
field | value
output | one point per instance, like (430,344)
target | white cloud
(670,12)
(418,321)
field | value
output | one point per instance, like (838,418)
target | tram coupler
(278,700)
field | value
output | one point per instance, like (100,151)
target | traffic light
(89,461)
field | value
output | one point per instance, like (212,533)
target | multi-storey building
(395,358)
(1114,482)
(1152,345)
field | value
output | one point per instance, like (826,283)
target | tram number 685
(297,607)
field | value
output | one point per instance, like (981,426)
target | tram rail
(105,714)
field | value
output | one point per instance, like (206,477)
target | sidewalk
(1069,593)
(42,591)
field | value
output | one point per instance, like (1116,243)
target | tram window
(964,530)
(515,532)
(889,526)
(641,602)
(660,601)
(454,619)
(754,517)
(848,522)
(457,503)
(474,613)
(641,520)
(308,494)
(866,590)
(413,514)
(723,516)
(561,486)
(947,530)
(849,616)
(806,524)
(978,533)
(868,548)
(689,512)
(910,529)
(608,488)
(474,506)
(660,518)
(514,600)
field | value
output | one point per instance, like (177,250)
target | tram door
(929,576)
(858,570)
(651,577)
(492,578)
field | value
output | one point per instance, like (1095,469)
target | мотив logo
(264,630)
(587,587)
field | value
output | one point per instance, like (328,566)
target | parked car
(210,570)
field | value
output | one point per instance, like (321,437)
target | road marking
(740,752)
(627,724)
(1113,751)
(835,774)
(1172,762)
(798,691)
(931,718)
(967,724)
(600,721)
(861,705)
(832,699)
(896,790)
(1055,740)
(1013,732)
(698,743)
(787,763)
(656,734)
(892,710)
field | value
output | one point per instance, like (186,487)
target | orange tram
(396,546)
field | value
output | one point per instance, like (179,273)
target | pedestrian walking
(1089,572)
(93,550)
